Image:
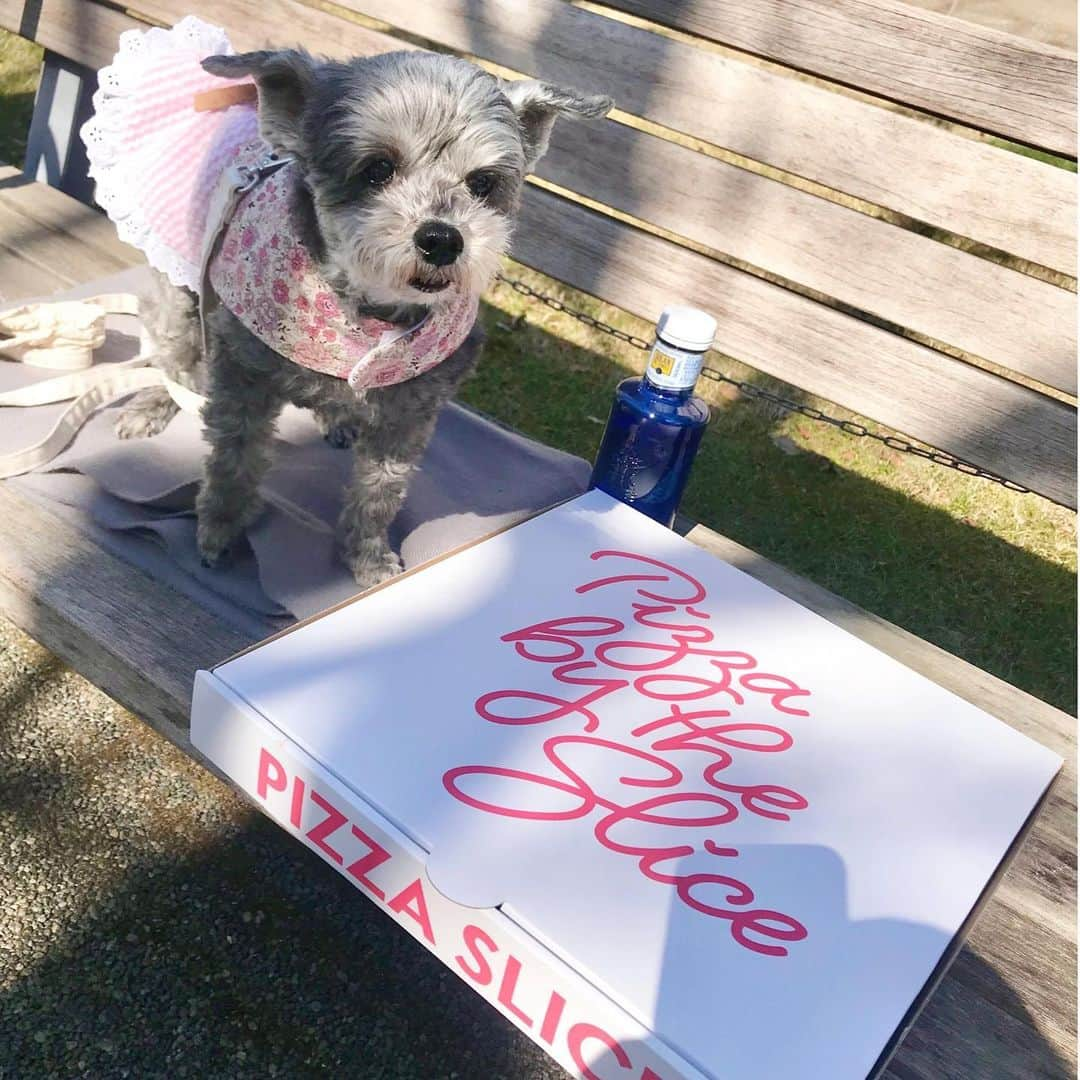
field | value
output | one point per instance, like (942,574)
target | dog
(410,168)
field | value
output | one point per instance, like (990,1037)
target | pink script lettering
(596,660)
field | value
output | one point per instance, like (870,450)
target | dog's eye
(376,173)
(481,184)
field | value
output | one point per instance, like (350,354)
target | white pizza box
(666,820)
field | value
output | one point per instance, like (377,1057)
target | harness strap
(235,183)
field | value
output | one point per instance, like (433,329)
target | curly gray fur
(440,124)
(170,318)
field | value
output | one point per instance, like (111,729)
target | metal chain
(850,427)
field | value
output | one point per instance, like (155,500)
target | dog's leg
(388,449)
(239,419)
(170,318)
(385,460)
(338,425)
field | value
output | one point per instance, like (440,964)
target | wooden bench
(823,178)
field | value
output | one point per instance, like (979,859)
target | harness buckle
(251,175)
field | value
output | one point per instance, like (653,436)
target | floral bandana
(266,278)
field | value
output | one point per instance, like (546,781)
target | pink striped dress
(155,160)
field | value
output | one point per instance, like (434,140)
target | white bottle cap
(686,328)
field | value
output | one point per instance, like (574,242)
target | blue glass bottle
(656,422)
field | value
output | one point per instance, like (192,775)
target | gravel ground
(152,924)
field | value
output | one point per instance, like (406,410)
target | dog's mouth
(428,285)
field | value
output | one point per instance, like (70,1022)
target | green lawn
(988,574)
(19,63)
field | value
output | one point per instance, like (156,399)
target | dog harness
(198,192)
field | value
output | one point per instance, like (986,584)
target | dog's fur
(441,122)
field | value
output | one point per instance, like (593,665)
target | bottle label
(671,368)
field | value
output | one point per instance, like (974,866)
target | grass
(985,573)
(20,62)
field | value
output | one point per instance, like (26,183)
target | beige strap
(115,385)
(61,335)
(93,388)
(115,303)
(58,335)
(65,387)
(224,96)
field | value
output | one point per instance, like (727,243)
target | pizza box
(667,821)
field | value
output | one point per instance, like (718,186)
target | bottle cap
(686,328)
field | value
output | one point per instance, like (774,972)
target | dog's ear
(538,103)
(285,79)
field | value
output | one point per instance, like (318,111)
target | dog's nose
(439,244)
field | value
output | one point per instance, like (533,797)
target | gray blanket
(137,497)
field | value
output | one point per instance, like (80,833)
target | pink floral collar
(266,278)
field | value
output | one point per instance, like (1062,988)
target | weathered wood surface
(909,280)
(87,31)
(81,31)
(137,639)
(964,410)
(1024,90)
(998,198)
(39,223)
(1006,1007)
(978,191)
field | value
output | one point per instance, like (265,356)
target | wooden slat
(998,198)
(977,416)
(84,32)
(1024,90)
(87,32)
(24,277)
(985,309)
(40,223)
(996,1043)
(134,637)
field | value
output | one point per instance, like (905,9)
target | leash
(62,336)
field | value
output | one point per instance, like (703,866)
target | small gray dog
(412,165)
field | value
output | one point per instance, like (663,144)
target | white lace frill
(119,109)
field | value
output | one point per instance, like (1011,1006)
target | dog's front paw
(342,436)
(148,414)
(214,547)
(373,562)
(217,538)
